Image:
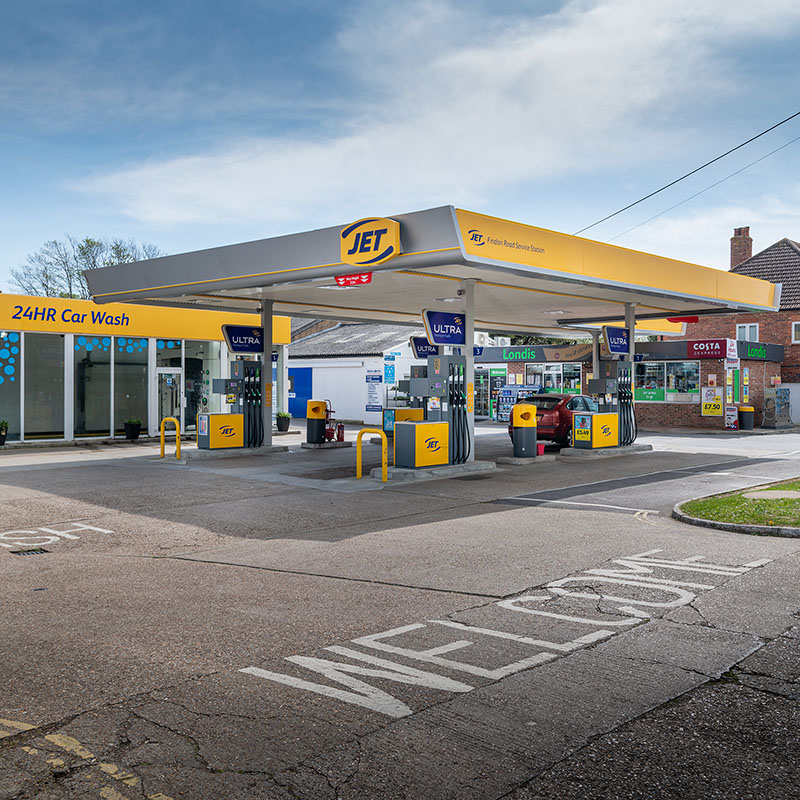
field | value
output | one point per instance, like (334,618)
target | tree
(56,268)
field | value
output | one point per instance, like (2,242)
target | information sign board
(444,327)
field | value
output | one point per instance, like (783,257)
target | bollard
(315,421)
(523,426)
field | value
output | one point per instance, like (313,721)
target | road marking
(544,501)
(72,746)
(33,537)
(633,572)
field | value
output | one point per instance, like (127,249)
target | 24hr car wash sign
(443,327)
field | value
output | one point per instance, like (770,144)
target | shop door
(170,392)
(299,390)
(481,392)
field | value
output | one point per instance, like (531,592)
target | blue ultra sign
(443,327)
(422,347)
(244,338)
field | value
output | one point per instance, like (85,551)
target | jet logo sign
(432,445)
(374,240)
(227,431)
(605,430)
(476,237)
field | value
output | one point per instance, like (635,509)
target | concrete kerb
(573,453)
(786,532)
(434,473)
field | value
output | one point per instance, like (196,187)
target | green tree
(56,268)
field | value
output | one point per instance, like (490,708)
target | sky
(193,124)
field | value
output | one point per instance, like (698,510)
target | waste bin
(316,414)
(746,418)
(523,426)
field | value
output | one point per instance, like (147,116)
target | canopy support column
(266,372)
(468,285)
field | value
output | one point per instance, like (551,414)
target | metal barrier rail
(177,436)
(384,452)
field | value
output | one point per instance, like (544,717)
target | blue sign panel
(476,351)
(443,327)
(616,340)
(244,338)
(422,347)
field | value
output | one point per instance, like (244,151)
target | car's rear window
(545,403)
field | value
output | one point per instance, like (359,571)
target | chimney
(741,246)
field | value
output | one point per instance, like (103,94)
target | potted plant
(133,427)
(282,420)
(3,431)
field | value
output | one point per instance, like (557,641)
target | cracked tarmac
(415,641)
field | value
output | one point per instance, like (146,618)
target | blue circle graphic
(89,347)
(4,353)
(106,341)
(129,348)
(8,370)
(13,337)
(81,340)
(15,350)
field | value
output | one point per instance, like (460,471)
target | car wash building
(71,369)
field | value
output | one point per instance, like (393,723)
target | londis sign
(374,240)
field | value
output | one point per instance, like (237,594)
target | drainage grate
(34,551)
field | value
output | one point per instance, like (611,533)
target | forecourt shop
(502,276)
(72,369)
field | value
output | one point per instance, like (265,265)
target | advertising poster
(374,380)
(711,401)
(731,418)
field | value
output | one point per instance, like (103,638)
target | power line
(696,194)
(683,177)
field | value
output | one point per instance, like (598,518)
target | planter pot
(132,431)
(282,423)
(3,435)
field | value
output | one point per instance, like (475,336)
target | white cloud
(456,106)
(704,237)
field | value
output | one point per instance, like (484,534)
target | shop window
(747,333)
(44,386)
(92,365)
(168,353)
(649,382)
(683,380)
(10,361)
(572,378)
(552,378)
(130,381)
(534,375)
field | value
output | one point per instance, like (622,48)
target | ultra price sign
(712,401)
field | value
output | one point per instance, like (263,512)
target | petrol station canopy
(526,279)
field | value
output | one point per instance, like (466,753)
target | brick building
(778,263)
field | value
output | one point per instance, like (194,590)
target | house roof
(779,263)
(352,339)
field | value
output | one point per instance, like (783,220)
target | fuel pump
(613,391)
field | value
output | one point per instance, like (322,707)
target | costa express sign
(707,348)
(370,241)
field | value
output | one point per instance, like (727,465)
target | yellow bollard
(177,436)
(384,453)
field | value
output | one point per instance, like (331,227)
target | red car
(554,415)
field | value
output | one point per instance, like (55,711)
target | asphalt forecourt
(198,631)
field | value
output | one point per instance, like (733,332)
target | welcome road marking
(630,589)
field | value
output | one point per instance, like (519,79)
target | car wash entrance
(505,277)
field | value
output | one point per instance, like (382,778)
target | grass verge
(741,510)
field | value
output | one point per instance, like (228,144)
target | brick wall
(774,327)
(688,415)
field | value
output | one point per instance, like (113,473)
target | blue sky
(196,124)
